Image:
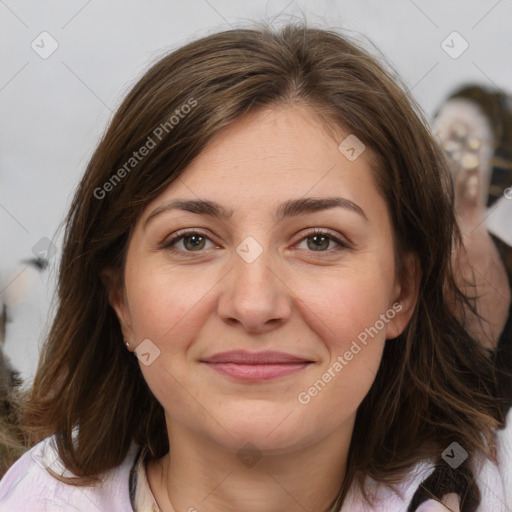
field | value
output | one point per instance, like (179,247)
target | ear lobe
(406,295)
(117,300)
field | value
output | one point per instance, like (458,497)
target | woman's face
(273,240)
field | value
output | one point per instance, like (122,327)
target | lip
(246,357)
(256,366)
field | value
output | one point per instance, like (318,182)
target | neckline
(141,496)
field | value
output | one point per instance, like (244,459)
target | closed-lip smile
(256,366)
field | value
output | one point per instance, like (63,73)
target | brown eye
(194,242)
(191,241)
(318,242)
(322,241)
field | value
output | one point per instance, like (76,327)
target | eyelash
(180,235)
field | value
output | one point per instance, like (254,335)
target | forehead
(276,152)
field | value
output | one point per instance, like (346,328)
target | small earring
(127,343)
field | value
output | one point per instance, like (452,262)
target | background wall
(67,64)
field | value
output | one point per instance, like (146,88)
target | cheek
(350,315)
(350,324)
(161,300)
(355,338)
(343,306)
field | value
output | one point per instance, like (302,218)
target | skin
(295,298)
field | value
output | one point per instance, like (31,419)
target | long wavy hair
(435,383)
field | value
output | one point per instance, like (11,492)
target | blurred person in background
(11,439)
(474,127)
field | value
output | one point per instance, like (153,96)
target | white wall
(54,109)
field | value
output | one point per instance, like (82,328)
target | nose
(254,296)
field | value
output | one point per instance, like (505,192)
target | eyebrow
(198,206)
(296,207)
(291,208)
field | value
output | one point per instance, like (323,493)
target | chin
(258,440)
(274,429)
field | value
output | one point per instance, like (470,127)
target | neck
(199,476)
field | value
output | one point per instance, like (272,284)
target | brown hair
(435,384)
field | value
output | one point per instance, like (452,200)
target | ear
(405,295)
(117,299)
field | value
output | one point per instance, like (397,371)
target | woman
(265,224)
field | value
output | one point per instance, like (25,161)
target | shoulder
(505,458)
(29,486)
(493,482)
(386,498)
